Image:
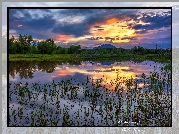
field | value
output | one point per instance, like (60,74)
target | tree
(41,47)
(33,48)
(12,45)
(73,49)
(46,47)
(25,42)
(139,50)
(50,46)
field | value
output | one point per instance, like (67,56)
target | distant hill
(105,46)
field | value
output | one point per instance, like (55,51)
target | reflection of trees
(26,69)
(49,67)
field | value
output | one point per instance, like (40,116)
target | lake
(88,79)
(43,72)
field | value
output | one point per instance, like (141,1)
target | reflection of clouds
(95,70)
(125,70)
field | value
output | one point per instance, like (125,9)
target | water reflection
(47,71)
(88,96)
(26,69)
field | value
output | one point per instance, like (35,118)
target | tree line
(25,44)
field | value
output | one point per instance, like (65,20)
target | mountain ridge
(105,46)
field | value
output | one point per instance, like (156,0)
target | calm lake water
(44,72)
(47,72)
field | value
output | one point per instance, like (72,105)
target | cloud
(129,38)
(28,19)
(100,29)
(89,26)
(76,12)
(142,31)
(76,30)
(92,38)
(155,21)
(92,17)
(20,25)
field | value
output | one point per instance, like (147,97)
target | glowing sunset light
(88,27)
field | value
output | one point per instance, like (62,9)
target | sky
(90,28)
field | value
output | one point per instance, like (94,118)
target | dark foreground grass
(122,102)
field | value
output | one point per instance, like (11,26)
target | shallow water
(44,72)
(50,72)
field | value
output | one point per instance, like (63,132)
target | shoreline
(72,57)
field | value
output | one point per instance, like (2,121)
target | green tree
(12,45)
(46,47)
(33,48)
(41,47)
(73,49)
(50,46)
(24,43)
(139,50)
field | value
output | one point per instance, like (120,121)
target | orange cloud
(113,28)
(63,37)
(63,72)
(111,21)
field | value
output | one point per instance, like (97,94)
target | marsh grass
(91,103)
(95,57)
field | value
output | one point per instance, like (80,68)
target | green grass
(41,57)
(69,57)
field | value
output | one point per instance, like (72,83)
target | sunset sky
(124,28)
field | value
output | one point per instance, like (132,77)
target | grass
(40,57)
(63,103)
(69,57)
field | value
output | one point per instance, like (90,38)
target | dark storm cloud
(78,29)
(92,16)
(14,15)
(36,34)
(45,22)
(34,22)
(156,22)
